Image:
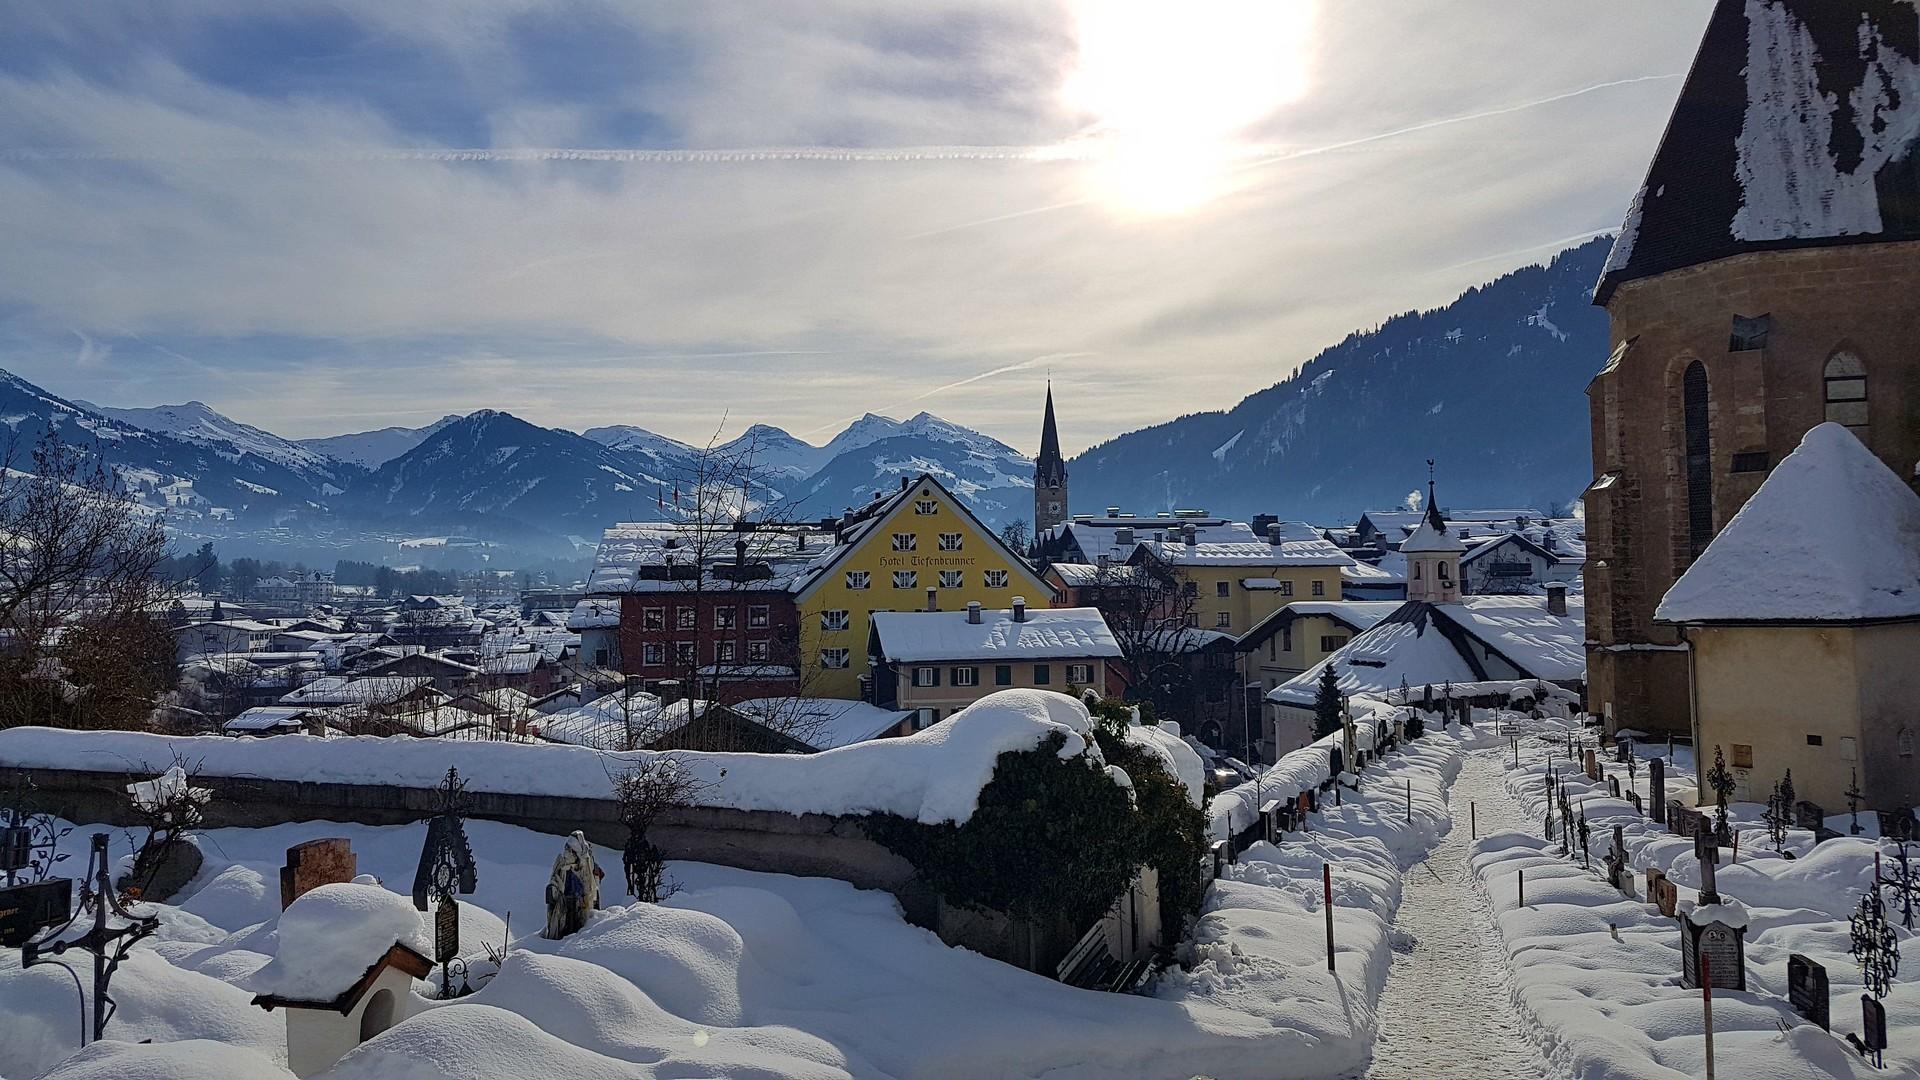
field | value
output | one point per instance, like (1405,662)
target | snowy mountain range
(1492,387)
(371,449)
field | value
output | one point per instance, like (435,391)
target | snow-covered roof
(1795,129)
(824,723)
(1421,643)
(268,718)
(245,625)
(1046,633)
(1831,536)
(331,937)
(594,614)
(346,690)
(1429,540)
(1099,536)
(1247,553)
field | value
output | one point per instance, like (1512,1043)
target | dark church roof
(1796,129)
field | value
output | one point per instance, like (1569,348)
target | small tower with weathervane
(1049,476)
(1433,557)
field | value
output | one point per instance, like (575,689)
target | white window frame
(997,579)
(726,651)
(684,652)
(966,676)
(686,618)
(906,579)
(653,654)
(1319,588)
(759,616)
(1080,674)
(760,650)
(726,618)
(952,579)
(952,541)
(926,507)
(1286,588)
(904,542)
(926,677)
(653,618)
(859,580)
(834,620)
(836,659)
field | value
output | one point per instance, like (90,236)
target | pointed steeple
(1433,503)
(1050,468)
(1049,474)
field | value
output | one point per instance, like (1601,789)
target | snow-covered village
(1414,572)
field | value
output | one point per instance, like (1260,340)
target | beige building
(1287,643)
(1763,283)
(1232,585)
(1802,621)
(935,663)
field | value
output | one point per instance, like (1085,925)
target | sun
(1171,87)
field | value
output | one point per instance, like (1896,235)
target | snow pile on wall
(1794,186)
(329,937)
(932,776)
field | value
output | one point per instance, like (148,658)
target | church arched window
(1846,385)
(1699,456)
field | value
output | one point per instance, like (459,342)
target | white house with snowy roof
(935,663)
(1802,624)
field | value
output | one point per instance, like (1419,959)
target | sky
(327,217)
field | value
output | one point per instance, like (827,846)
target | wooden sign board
(25,910)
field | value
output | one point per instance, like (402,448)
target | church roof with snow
(1831,536)
(1796,128)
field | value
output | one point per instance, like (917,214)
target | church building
(1049,476)
(1762,284)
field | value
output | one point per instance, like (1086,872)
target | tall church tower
(1433,558)
(1049,476)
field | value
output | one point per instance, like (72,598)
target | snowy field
(1607,1009)
(744,974)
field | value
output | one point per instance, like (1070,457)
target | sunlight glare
(1171,87)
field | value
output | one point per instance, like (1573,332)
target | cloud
(760,220)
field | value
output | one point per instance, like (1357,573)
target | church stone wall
(1856,298)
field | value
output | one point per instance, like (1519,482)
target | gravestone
(1336,761)
(1807,990)
(573,890)
(446,930)
(1808,815)
(1622,750)
(1303,805)
(1724,948)
(1270,827)
(1618,874)
(327,861)
(1657,789)
(1591,762)
(1683,820)
(1613,785)
(1662,893)
(1873,1023)
(1638,806)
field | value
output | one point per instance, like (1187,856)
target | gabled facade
(917,548)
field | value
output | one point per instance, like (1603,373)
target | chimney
(1113,511)
(933,598)
(973,612)
(1273,534)
(1556,598)
(740,556)
(799,541)
(1019,609)
(1123,538)
(906,482)
(1190,534)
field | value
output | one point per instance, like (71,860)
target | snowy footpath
(1596,974)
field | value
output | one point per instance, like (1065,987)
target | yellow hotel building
(915,548)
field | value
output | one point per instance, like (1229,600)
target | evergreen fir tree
(1326,704)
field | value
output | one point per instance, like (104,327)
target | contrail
(1576,238)
(1065,152)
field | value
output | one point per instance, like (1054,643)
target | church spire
(1049,475)
(1433,503)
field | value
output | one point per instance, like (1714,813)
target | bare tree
(1149,605)
(83,634)
(642,794)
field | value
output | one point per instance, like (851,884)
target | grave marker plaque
(25,910)
(1807,990)
(1873,1022)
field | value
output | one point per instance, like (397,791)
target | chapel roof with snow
(1796,128)
(1832,536)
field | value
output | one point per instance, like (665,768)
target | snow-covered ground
(1613,1008)
(744,974)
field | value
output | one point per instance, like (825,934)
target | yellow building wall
(1245,607)
(1770,688)
(980,552)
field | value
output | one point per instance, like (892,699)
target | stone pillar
(1657,789)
